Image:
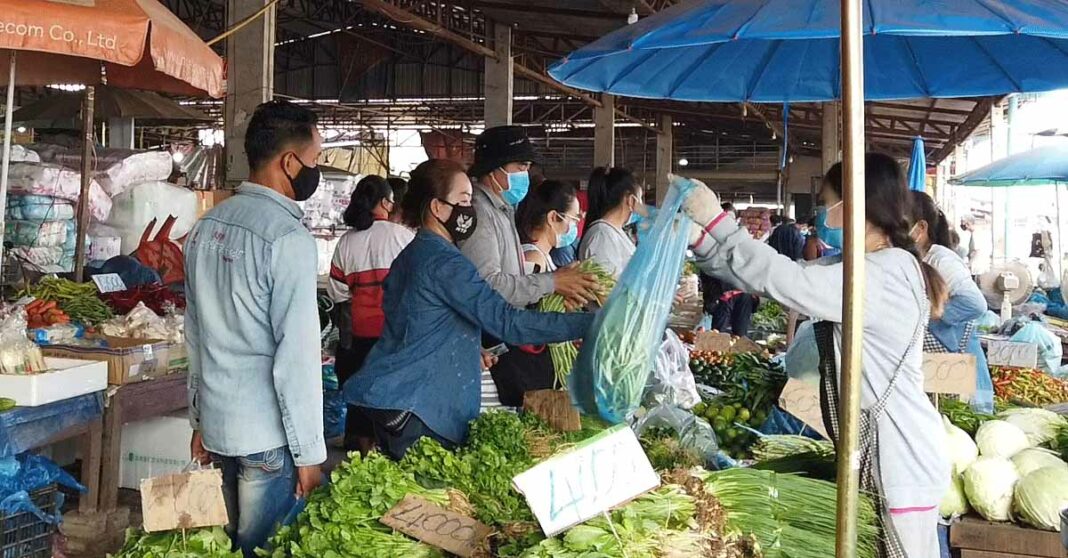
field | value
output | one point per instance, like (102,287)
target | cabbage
(954,504)
(1040,425)
(998,438)
(1033,459)
(962,450)
(1040,497)
(989,484)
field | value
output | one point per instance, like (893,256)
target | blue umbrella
(1038,167)
(788,51)
(918,167)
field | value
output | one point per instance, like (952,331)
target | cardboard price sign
(949,373)
(109,283)
(599,474)
(437,526)
(724,343)
(183,501)
(802,400)
(1009,353)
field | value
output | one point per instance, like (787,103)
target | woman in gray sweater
(908,464)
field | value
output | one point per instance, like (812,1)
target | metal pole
(853,270)
(87,177)
(1060,244)
(5,165)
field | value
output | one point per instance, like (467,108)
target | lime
(737,406)
(732,433)
(728,414)
(719,424)
(743,415)
(699,409)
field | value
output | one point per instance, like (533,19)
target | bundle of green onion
(564,354)
(791,516)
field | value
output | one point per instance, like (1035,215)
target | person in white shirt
(615,201)
(361,263)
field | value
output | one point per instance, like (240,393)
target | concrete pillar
(960,161)
(249,81)
(664,152)
(831,138)
(604,133)
(499,79)
(121,133)
(999,133)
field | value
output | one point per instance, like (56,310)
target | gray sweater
(914,464)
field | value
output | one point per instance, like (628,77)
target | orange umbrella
(126,43)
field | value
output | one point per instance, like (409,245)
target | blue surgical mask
(518,185)
(636,216)
(568,238)
(831,236)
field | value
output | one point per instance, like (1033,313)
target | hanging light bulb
(683,162)
(774,136)
(745,110)
(633,17)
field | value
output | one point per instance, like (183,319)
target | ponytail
(923,208)
(886,204)
(608,188)
(369,192)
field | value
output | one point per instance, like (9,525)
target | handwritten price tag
(802,400)
(109,283)
(949,373)
(437,526)
(183,501)
(1009,353)
(600,473)
(724,343)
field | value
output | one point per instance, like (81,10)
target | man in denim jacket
(252,329)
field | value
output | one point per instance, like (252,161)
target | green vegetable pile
(665,450)
(961,414)
(770,317)
(750,383)
(343,518)
(790,516)
(192,543)
(768,448)
(77,300)
(564,354)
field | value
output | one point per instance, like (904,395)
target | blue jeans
(259,492)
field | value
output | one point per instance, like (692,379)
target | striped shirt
(361,262)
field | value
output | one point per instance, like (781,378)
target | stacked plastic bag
(139,204)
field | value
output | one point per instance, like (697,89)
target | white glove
(702,205)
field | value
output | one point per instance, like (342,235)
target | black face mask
(305,183)
(461,223)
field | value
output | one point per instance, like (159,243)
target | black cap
(499,146)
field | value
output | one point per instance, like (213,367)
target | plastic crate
(23,535)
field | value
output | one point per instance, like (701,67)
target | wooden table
(975,538)
(131,403)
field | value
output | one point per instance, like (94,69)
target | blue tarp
(788,51)
(25,428)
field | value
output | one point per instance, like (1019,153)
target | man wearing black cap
(502,160)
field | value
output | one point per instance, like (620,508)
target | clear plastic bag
(618,354)
(693,432)
(672,382)
(803,356)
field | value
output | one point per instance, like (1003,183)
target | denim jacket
(252,329)
(428,359)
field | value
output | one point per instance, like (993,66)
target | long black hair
(608,188)
(924,209)
(369,192)
(886,207)
(533,211)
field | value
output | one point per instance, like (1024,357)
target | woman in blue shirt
(422,378)
(955,331)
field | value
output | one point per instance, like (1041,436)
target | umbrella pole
(87,178)
(6,164)
(1060,243)
(853,281)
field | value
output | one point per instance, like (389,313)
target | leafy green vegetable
(961,414)
(342,520)
(192,543)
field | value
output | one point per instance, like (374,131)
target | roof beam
(537,9)
(404,17)
(978,114)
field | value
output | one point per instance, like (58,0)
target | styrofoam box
(153,447)
(67,378)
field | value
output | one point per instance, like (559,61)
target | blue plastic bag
(618,352)
(1049,346)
